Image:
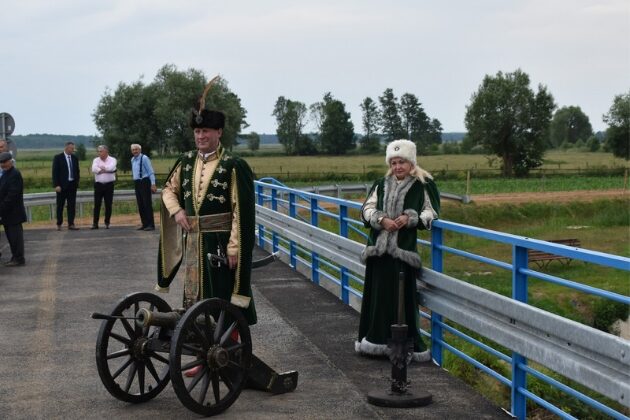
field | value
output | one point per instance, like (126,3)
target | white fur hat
(405,149)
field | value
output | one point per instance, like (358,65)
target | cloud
(62,55)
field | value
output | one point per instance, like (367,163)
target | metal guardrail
(50,199)
(591,357)
(598,360)
(339,189)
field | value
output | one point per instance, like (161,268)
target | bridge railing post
(261,229)
(292,214)
(314,255)
(343,231)
(343,221)
(274,207)
(519,375)
(437,260)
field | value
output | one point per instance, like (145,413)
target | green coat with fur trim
(220,282)
(389,253)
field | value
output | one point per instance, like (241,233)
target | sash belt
(221,222)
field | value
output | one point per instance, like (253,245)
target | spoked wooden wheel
(210,353)
(130,369)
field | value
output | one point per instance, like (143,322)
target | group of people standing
(66,176)
(208,207)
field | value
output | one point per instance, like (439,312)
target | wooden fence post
(468,182)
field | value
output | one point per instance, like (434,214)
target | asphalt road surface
(47,339)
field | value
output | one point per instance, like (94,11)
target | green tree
(291,119)
(511,120)
(126,116)
(157,115)
(593,144)
(81,152)
(371,124)
(337,130)
(414,119)
(569,124)
(431,137)
(176,94)
(253,141)
(618,132)
(466,145)
(391,123)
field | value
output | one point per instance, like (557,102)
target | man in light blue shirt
(144,184)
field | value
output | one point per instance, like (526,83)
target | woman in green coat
(404,201)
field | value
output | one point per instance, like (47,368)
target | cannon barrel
(146,318)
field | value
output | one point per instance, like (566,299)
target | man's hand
(182,220)
(153,188)
(232,261)
(58,189)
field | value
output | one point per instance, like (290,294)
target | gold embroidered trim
(239,265)
(213,197)
(216,183)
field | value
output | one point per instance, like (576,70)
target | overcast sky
(58,57)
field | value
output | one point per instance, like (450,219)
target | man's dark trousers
(15,237)
(68,194)
(144,199)
(103,192)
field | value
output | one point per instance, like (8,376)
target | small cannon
(206,351)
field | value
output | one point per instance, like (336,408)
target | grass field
(553,160)
(449,170)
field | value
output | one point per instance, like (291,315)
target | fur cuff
(413,218)
(365,347)
(240,300)
(423,356)
(374,219)
(427,218)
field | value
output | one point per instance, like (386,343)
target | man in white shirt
(104,170)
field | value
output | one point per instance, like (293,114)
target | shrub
(607,312)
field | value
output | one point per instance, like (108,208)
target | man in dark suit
(12,213)
(65,175)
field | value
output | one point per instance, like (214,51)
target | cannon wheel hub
(138,347)
(218,357)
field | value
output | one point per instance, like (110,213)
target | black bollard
(400,349)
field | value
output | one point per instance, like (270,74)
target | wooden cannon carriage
(205,351)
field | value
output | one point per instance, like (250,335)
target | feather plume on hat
(202,100)
(205,118)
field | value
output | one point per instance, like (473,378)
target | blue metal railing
(335,214)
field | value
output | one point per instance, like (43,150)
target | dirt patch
(551,196)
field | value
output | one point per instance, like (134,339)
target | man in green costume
(208,207)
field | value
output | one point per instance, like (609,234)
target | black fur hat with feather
(207,118)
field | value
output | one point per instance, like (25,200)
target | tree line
(506,117)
